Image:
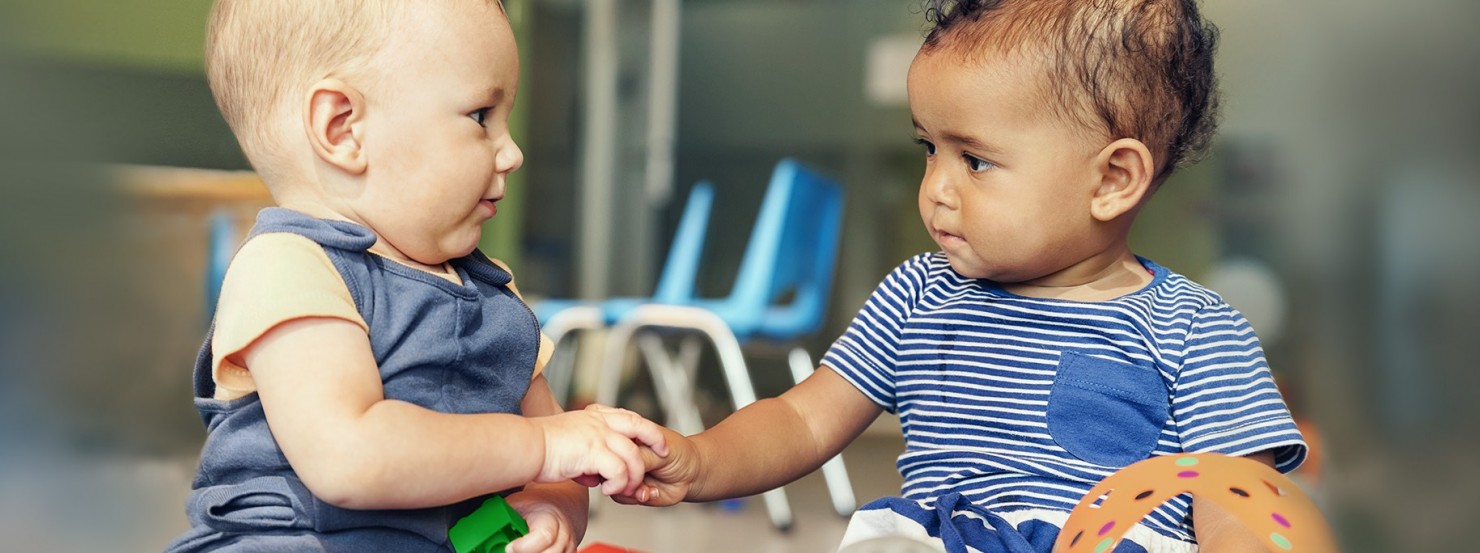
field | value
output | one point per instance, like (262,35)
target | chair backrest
(792,252)
(676,283)
(220,247)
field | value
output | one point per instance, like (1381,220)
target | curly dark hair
(1139,69)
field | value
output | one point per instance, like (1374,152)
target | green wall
(159,35)
(131,71)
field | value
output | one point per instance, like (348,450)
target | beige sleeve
(547,348)
(274,278)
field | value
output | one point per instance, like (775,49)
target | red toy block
(599,547)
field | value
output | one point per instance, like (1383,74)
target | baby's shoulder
(279,264)
(1176,289)
(279,252)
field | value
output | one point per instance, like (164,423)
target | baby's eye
(480,115)
(929,146)
(975,164)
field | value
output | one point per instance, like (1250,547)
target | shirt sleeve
(274,278)
(867,353)
(1225,399)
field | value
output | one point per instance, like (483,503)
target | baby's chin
(463,252)
(461,248)
(981,271)
(443,255)
(968,270)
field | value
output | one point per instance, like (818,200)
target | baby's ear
(335,124)
(1126,171)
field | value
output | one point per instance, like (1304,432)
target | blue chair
(780,295)
(561,318)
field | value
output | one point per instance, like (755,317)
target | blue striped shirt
(1024,403)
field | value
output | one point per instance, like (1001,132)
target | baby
(1033,354)
(371,377)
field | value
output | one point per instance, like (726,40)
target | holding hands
(669,478)
(599,446)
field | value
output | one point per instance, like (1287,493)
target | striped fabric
(1021,403)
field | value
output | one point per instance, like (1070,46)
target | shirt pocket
(1106,412)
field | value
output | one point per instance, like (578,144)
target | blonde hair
(262,53)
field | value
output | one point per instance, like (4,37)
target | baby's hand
(668,478)
(550,530)
(598,445)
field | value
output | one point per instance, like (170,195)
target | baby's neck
(312,206)
(442,270)
(1099,278)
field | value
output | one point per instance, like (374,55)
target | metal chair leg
(742,392)
(839,486)
(732,364)
(613,355)
(560,372)
(689,348)
(674,387)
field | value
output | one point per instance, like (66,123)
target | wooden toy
(1263,499)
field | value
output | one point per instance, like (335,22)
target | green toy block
(488,529)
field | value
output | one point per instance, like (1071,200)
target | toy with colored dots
(489,529)
(1261,498)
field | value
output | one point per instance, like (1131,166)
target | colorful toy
(1263,499)
(488,529)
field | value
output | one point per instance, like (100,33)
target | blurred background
(1337,209)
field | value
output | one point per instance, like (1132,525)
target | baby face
(1008,180)
(437,129)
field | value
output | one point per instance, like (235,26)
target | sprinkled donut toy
(1263,499)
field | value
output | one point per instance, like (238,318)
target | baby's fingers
(534,542)
(633,426)
(614,470)
(630,457)
(643,495)
(651,460)
(546,535)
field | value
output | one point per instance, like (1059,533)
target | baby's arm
(321,391)
(767,444)
(1217,531)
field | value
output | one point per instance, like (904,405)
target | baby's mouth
(491,203)
(946,239)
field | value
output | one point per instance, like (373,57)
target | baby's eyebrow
(968,142)
(495,95)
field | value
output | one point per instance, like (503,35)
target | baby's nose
(938,190)
(509,158)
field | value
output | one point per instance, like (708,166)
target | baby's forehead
(451,38)
(1027,75)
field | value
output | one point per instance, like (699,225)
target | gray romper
(452,348)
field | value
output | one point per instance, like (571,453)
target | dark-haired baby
(1034,353)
